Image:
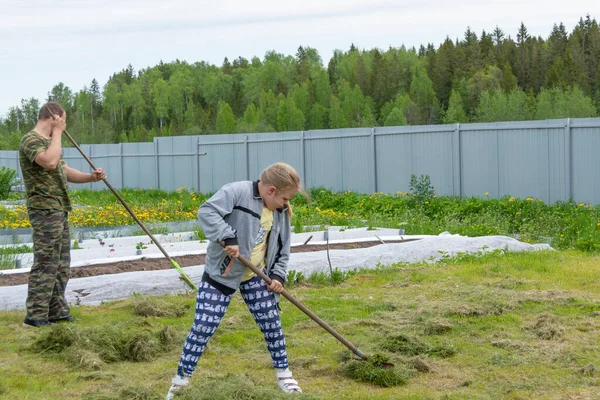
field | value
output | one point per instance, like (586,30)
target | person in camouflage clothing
(46,174)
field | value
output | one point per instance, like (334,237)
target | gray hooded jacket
(232,215)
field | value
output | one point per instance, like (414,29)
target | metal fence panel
(553,160)
(222,159)
(339,159)
(139,166)
(177,162)
(265,149)
(586,163)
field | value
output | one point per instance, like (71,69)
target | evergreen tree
(395,118)
(455,112)
(225,119)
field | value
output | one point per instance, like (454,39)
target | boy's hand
(275,286)
(232,251)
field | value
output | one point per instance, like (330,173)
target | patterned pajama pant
(211,305)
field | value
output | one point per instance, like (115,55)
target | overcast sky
(73,41)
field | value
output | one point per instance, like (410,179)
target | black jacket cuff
(231,241)
(277,278)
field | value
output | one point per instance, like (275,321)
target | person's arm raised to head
(50,158)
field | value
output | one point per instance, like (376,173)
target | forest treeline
(481,77)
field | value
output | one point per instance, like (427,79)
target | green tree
(322,88)
(216,87)
(443,71)
(423,95)
(487,79)
(268,108)
(30,109)
(336,115)
(395,118)
(111,97)
(63,95)
(455,112)
(134,99)
(81,104)
(300,95)
(249,122)
(160,100)
(318,118)
(557,103)
(289,117)
(225,119)
(498,106)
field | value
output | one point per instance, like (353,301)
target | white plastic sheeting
(98,289)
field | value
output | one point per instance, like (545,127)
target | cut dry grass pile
(127,393)
(437,326)
(409,346)
(147,306)
(236,387)
(374,370)
(546,327)
(90,348)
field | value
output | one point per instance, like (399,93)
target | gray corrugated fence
(553,160)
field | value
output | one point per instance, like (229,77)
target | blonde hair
(283,177)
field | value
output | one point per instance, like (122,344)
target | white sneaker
(176,383)
(285,381)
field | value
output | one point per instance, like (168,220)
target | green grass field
(516,326)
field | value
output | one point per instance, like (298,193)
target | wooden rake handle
(302,307)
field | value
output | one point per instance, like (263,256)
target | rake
(173,263)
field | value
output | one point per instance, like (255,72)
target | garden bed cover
(153,264)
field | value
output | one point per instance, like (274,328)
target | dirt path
(152,264)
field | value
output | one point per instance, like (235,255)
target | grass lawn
(516,326)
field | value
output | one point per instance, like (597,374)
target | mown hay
(88,348)
(56,339)
(546,327)
(148,306)
(372,371)
(83,358)
(236,387)
(437,326)
(409,346)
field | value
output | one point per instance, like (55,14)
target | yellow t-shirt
(260,249)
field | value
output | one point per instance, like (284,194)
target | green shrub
(8,178)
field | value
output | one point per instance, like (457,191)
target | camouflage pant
(51,262)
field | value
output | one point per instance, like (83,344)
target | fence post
(302,160)
(457,162)
(90,156)
(198,165)
(156,161)
(121,164)
(247,151)
(374,157)
(18,169)
(568,163)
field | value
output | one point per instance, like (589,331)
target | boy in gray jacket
(251,219)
